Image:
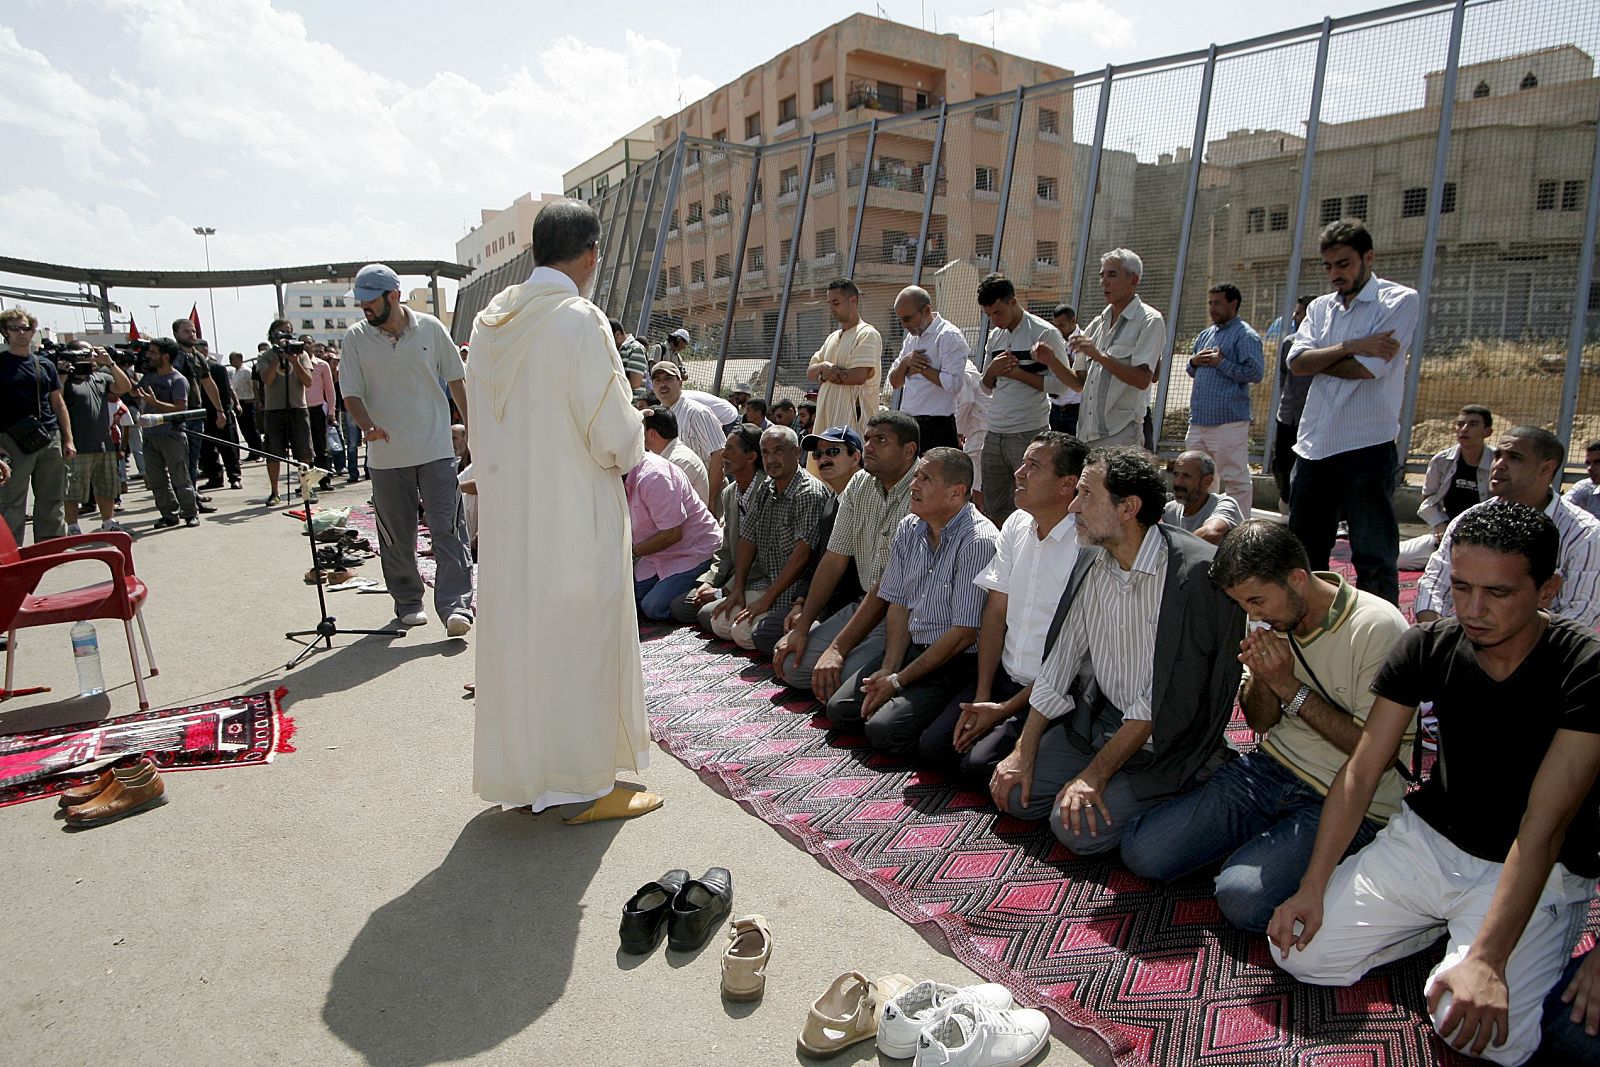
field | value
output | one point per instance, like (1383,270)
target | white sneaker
(924,1004)
(111,526)
(415,618)
(73,529)
(972,1034)
(458,625)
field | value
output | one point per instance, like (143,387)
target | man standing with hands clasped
(393,363)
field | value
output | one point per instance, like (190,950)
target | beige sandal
(744,963)
(848,1012)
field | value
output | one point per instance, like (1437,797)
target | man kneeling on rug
(1306,692)
(934,609)
(1498,850)
(1140,671)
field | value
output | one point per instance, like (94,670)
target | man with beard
(847,366)
(392,366)
(1194,507)
(1306,694)
(560,694)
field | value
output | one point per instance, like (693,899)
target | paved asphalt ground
(354,901)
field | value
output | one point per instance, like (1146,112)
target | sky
(308,132)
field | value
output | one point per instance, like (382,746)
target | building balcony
(722,280)
(695,286)
(693,226)
(751,142)
(821,112)
(865,96)
(1052,136)
(783,129)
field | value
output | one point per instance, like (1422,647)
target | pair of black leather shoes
(686,909)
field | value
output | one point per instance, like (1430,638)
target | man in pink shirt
(320,406)
(674,535)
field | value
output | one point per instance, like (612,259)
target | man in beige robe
(849,366)
(560,694)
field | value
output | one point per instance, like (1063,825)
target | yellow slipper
(618,804)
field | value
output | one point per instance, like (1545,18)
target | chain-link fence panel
(1042,208)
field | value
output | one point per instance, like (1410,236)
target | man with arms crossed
(1498,850)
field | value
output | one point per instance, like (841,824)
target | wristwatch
(1292,709)
(894,680)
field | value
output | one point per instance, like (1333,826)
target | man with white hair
(1194,507)
(1115,358)
(931,368)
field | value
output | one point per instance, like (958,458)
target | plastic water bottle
(86,654)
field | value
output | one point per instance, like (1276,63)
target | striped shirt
(868,515)
(698,428)
(1578,565)
(1344,414)
(1222,393)
(936,584)
(1111,624)
(778,520)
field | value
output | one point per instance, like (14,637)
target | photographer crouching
(34,432)
(91,384)
(285,370)
(161,391)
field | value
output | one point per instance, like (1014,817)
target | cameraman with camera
(92,383)
(34,432)
(285,370)
(163,390)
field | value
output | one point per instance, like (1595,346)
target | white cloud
(1027,29)
(56,106)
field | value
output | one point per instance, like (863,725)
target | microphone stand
(327,629)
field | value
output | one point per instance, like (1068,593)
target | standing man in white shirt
(393,363)
(931,368)
(1115,358)
(1354,340)
(698,425)
(847,366)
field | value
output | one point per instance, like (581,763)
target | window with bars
(1572,195)
(697,272)
(724,267)
(1332,208)
(784,249)
(758,257)
(721,204)
(1355,206)
(826,170)
(789,181)
(827,242)
(1255,220)
(822,93)
(1278,219)
(1447,199)
(1544,198)
(1049,120)
(1047,253)
(1047,187)
(1414,202)
(983,246)
(987,180)
(674,277)
(697,211)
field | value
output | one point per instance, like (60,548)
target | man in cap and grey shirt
(393,364)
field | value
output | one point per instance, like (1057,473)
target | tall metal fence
(1463,133)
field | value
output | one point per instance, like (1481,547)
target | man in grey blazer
(1140,669)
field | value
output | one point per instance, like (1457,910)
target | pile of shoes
(686,910)
(119,791)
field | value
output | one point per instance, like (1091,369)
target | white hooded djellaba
(560,694)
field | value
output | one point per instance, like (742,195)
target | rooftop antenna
(994,16)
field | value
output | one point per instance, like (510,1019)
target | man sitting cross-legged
(1498,850)
(1140,669)
(743,464)
(933,609)
(1306,692)
(820,649)
(1038,546)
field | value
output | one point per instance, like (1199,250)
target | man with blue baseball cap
(394,363)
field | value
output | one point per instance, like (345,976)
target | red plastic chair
(122,597)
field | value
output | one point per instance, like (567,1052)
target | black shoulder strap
(1412,774)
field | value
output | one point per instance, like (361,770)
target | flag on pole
(194,318)
(133,330)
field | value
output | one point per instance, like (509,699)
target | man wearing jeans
(393,364)
(1306,694)
(674,534)
(1354,340)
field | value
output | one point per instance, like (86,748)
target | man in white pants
(1498,850)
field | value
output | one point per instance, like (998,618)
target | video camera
(285,343)
(133,356)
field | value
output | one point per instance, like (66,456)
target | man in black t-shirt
(1500,849)
(30,386)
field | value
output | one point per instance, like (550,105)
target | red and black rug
(1141,973)
(239,731)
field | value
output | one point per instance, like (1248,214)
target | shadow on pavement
(476,951)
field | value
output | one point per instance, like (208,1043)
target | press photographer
(166,446)
(285,370)
(194,365)
(35,432)
(91,382)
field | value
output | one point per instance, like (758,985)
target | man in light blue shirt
(1354,341)
(1226,362)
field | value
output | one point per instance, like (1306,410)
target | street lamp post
(155,318)
(205,234)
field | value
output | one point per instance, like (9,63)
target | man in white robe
(560,693)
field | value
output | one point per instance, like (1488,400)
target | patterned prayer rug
(239,731)
(362,518)
(1140,973)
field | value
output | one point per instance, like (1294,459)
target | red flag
(194,317)
(133,329)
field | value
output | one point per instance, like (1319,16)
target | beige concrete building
(421,299)
(501,233)
(321,309)
(607,167)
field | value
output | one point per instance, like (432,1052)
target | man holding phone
(930,369)
(1019,410)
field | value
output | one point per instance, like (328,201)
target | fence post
(932,182)
(1430,243)
(1572,381)
(1090,181)
(861,207)
(1297,244)
(660,252)
(608,225)
(788,269)
(738,270)
(1175,308)
(627,220)
(1005,182)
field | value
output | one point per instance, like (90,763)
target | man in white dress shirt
(931,368)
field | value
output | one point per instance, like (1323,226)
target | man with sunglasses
(30,400)
(931,368)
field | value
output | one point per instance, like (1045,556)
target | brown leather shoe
(131,792)
(84,793)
